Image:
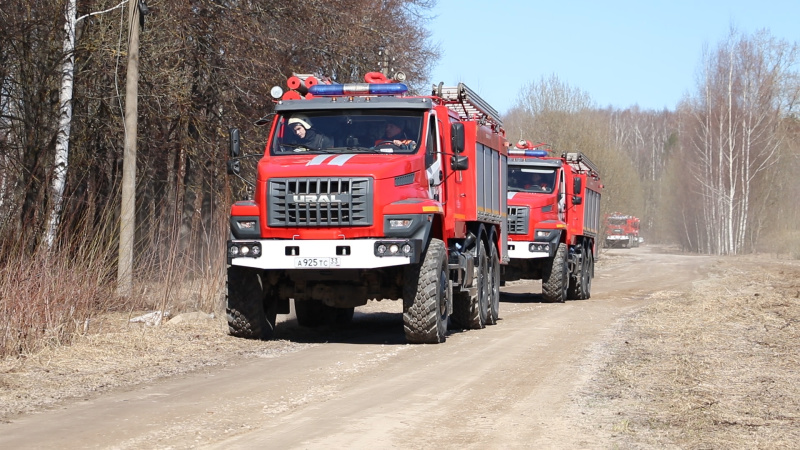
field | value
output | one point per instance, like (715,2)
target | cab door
(433,158)
(562,197)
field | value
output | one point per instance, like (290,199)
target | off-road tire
(494,285)
(587,274)
(574,288)
(426,297)
(555,279)
(250,313)
(471,311)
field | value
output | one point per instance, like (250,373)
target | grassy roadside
(714,368)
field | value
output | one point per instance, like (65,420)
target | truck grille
(319,202)
(518,219)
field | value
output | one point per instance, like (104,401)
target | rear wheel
(555,279)
(494,285)
(426,297)
(251,313)
(574,289)
(587,274)
(472,310)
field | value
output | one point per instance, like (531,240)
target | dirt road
(511,385)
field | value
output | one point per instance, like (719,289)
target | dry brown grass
(46,301)
(49,298)
(714,368)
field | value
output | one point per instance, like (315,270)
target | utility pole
(127,219)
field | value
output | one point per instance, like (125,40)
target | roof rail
(582,163)
(466,103)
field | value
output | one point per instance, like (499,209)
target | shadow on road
(366,328)
(521,297)
(380,328)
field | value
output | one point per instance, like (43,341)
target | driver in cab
(395,135)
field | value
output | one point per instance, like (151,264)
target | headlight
(244,249)
(399,223)
(539,247)
(395,248)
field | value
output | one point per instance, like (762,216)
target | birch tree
(736,118)
(65,117)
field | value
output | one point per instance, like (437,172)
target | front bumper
(528,249)
(325,254)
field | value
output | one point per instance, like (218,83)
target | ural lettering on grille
(319,202)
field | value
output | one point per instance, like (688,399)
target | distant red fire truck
(621,230)
(553,220)
(354,210)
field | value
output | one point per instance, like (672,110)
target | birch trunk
(64,123)
(61,163)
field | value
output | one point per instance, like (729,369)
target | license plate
(318,262)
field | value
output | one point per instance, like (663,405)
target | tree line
(712,175)
(717,174)
(205,66)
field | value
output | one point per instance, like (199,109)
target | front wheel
(555,278)
(251,312)
(427,296)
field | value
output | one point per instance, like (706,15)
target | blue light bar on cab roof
(358,89)
(528,152)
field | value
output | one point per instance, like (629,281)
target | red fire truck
(349,213)
(622,230)
(553,220)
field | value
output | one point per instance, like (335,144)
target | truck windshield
(530,179)
(347,131)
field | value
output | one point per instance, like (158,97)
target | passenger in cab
(305,135)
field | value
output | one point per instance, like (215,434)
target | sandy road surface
(511,385)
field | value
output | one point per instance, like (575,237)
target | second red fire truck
(553,220)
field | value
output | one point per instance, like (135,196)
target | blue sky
(622,53)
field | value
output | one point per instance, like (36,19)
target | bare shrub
(47,299)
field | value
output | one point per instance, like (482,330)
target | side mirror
(457,137)
(234,142)
(577,200)
(234,167)
(459,162)
(576,187)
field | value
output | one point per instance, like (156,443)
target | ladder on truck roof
(466,103)
(581,162)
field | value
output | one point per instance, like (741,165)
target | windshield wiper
(363,150)
(300,148)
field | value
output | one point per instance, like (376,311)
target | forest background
(716,175)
